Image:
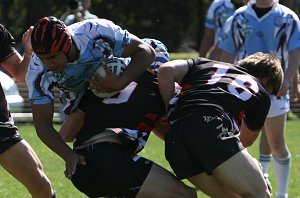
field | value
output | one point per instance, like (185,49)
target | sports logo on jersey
(244,28)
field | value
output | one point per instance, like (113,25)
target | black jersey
(136,107)
(225,88)
(7,43)
(7,49)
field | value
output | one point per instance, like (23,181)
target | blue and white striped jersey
(218,12)
(97,40)
(278,31)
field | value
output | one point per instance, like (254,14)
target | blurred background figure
(77,10)
(218,12)
(86,8)
(269,27)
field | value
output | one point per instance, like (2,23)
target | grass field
(54,166)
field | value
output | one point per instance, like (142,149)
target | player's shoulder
(91,25)
(2,29)
(285,11)
(216,4)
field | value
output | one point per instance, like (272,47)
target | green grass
(54,166)
(183,55)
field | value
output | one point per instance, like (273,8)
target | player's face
(55,61)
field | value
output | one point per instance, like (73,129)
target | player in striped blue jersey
(218,12)
(269,27)
(64,58)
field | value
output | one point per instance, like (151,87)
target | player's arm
(72,125)
(291,70)
(247,136)
(17,65)
(295,90)
(141,54)
(207,42)
(42,117)
(254,118)
(168,74)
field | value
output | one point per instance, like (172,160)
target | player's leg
(193,150)
(112,170)
(162,183)
(242,174)
(264,153)
(21,162)
(275,128)
(212,187)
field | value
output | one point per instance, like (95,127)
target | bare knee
(279,149)
(42,188)
(259,193)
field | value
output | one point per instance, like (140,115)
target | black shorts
(9,136)
(200,143)
(110,171)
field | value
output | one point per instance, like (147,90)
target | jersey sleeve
(210,20)
(39,86)
(7,43)
(254,118)
(294,29)
(226,37)
(110,33)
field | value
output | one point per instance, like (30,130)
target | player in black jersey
(206,141)
(16,155)
(112,130)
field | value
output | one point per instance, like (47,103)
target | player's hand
(106,84)
(26,39)
(295,93)
(71,164)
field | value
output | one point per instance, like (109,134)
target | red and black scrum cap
(50,35)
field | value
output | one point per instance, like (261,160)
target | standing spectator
(269,27)
(77,10)
(217,13)
(86,9)
(16,155)
(203,144)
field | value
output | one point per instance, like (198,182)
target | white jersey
(97,40)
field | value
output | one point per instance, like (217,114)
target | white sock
(282,168)
(265,162)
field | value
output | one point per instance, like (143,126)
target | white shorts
(279,106)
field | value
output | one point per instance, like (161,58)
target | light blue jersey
(97,40)
(218,12)
(278,31)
